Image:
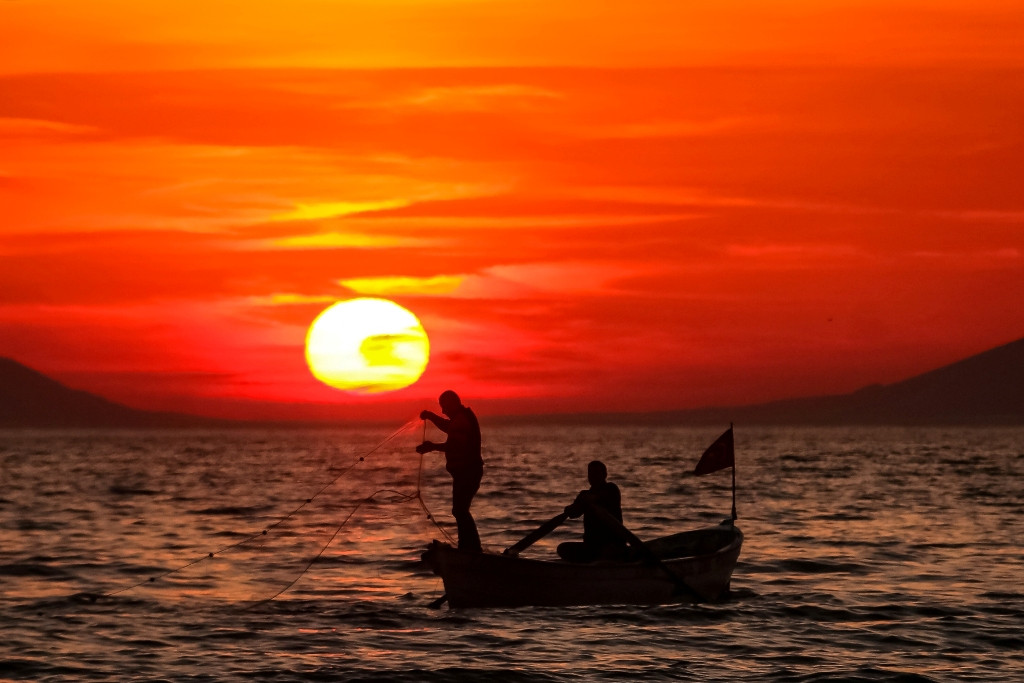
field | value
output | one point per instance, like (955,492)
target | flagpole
(718,456)
(733,480)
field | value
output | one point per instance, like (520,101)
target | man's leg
(463,489)
(575,551)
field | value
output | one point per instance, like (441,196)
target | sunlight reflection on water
(869,552)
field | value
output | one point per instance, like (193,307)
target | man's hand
(426,447)
(585,498)
(426,415)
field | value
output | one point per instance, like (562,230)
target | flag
(718,456)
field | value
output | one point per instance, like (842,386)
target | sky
(590,206)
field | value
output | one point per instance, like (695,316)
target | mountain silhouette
(985,389)
(31,399)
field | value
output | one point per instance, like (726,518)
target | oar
(534,536)
(629,537)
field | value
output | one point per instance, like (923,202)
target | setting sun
(367,346)
(592,207)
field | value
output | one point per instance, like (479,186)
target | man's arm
(428,446)
(578,506)
(441,423)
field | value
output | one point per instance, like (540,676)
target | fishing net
(352,509)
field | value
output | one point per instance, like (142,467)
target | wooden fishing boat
(692,566)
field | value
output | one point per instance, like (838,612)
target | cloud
(307,212)
(336,240)
(527,280)
(289,300)
(357,34)
(39,128)
(796,255)
(497,97)
(562,278)
(438,285)
(673,129)
(983,216)
(555,229)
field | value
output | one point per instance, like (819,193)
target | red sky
(589,205)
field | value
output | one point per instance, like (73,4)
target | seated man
(599,541)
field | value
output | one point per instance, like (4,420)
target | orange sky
(589,205)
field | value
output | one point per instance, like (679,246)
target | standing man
(462,460)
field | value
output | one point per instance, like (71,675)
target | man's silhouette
(462,460)
(599,541)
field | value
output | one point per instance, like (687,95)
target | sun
(367,346)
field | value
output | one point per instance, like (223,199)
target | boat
(691,566)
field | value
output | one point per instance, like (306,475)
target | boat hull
(492,580)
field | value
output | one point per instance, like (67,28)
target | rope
(291,514)
(430,515)
(419,496)
(403,498)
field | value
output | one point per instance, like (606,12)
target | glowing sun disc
(367,346)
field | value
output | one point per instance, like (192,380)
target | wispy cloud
(36,128)
(307,212)
(674,129)
(438,285)
(498,98)
(289,300)
(557,230)
(335,240)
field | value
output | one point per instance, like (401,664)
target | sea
(870,554)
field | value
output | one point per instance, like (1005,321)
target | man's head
(450,402)
(597,473)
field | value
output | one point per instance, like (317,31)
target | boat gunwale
(474,579)
(736,539)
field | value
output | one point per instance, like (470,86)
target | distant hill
(31,399)
(986,389)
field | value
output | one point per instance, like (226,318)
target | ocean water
(871,554)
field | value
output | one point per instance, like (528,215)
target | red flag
(718,456)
